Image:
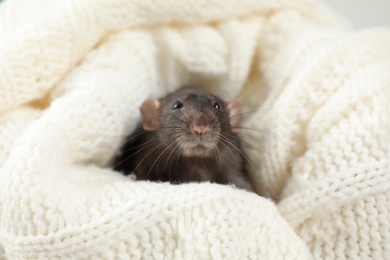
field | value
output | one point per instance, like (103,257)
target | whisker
(216,155)
(243,92)
(229,83)
(134,136)
(178,155)
(167,116)
(166,162)
(228,141)
(188,116)
(223,143)
(242,141)
(151,86)
(151,167)
(263,110)
(157,146)
(146,145)
(244,128)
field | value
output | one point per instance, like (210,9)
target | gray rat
(190,135)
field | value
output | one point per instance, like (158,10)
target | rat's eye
(177,105)
(217,105)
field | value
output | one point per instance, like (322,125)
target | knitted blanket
(316,121)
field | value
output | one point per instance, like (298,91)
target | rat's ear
(150,111)
(234,108)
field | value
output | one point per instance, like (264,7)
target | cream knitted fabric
(74,72)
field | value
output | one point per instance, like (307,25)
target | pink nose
(201,129)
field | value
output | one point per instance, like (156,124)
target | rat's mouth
(198,149)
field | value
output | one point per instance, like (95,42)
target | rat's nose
(201,129)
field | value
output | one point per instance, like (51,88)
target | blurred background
(363,13)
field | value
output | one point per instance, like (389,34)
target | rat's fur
(173,151)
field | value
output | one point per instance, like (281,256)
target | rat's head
(191,120)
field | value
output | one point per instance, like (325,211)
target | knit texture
(316,125)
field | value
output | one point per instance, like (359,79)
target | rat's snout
(200,126)
(201,129)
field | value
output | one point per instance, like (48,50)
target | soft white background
(364,13)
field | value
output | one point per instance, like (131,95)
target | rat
(190,135)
